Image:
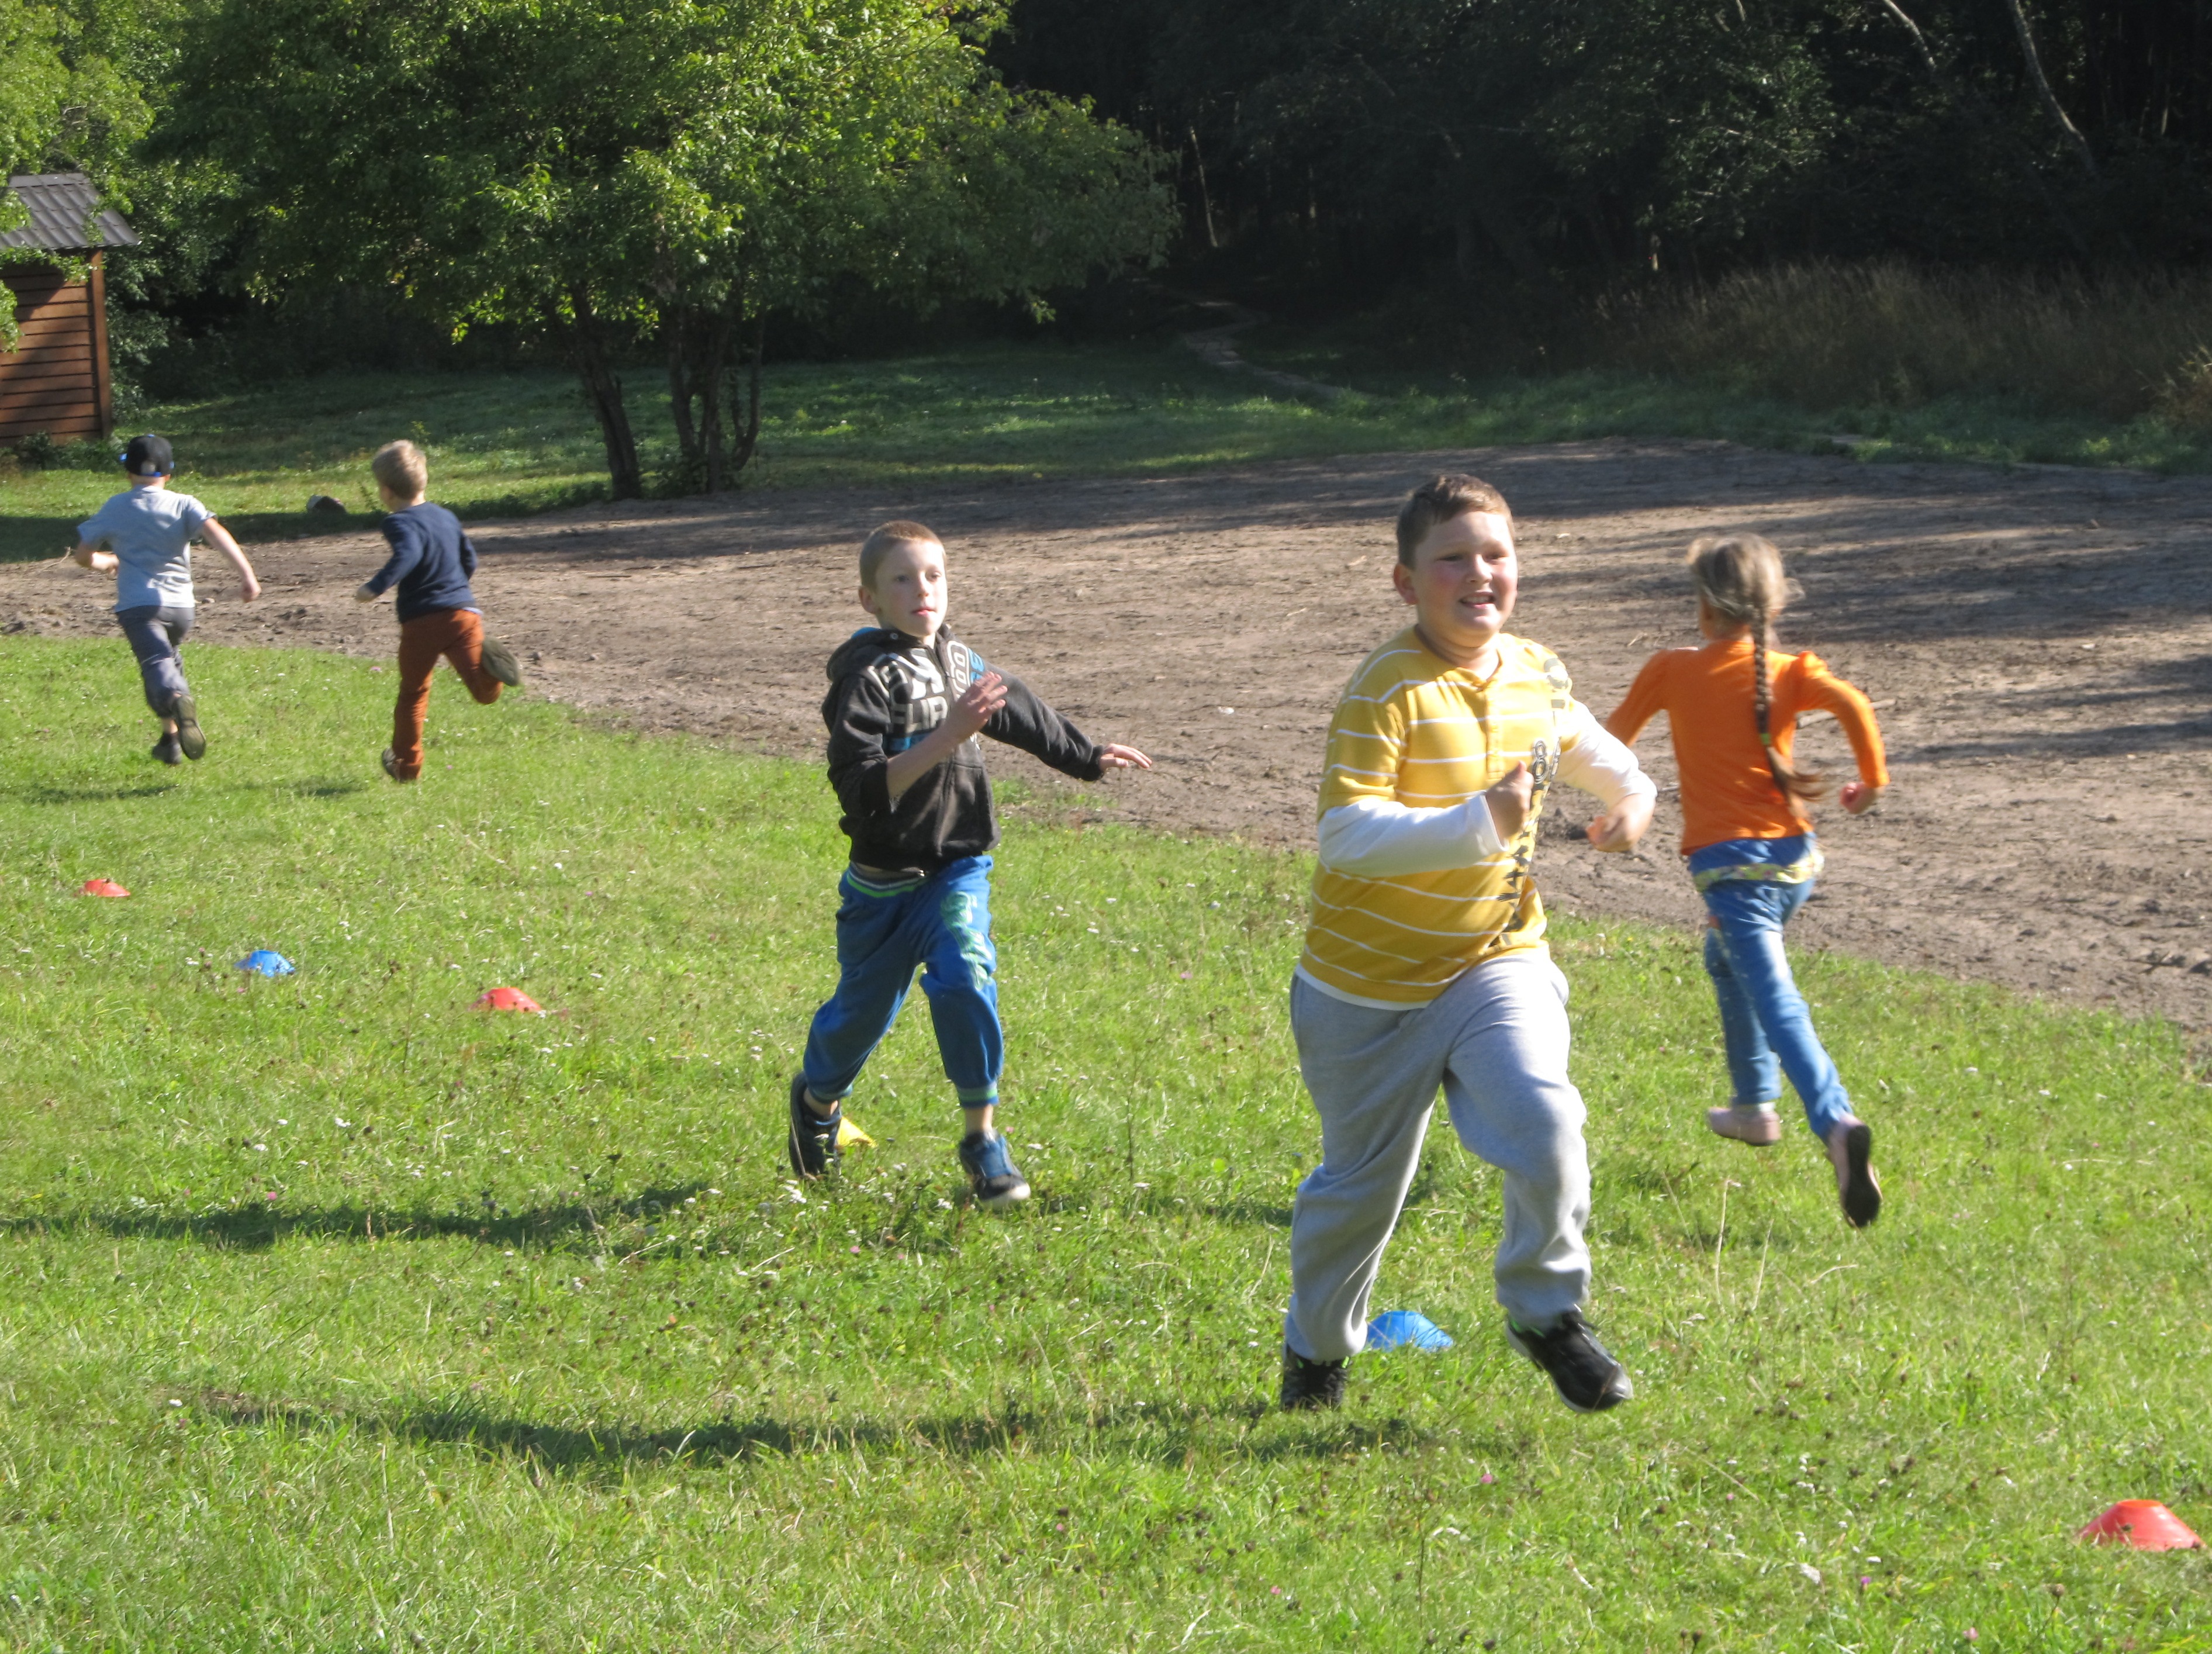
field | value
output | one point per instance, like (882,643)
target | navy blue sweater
(431,559)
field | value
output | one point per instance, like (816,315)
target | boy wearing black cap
(147,532)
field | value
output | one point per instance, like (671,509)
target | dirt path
(2037,640)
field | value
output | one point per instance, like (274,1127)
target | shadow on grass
(577,1225)
(1166,1434)
(320,787)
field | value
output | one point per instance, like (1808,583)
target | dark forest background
(1328,152)
(1838,202)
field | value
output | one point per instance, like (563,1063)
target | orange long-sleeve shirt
(1727,791)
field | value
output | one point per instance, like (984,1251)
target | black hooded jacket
(887,690)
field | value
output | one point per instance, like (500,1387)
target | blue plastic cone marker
(1406,1329)
(263,963)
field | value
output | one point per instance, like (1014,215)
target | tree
(65,104)
(593,173)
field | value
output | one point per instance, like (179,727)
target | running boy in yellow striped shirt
(1425,964)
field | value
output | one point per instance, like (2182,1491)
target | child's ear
(1401,580)
(868,601)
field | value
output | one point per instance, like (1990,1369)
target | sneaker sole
(191,740)
(1861,1195)
(1619,1390)
(1738,1137)
(499,660)
(1004,1198)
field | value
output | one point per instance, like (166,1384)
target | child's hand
(1858,797)
(1616,831)
(1509,802)
(361,593)
(248,588)
(1122,757)
(978,705)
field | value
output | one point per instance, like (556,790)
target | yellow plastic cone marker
(848,1134)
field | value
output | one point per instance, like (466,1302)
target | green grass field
(509,443)
(337,1315)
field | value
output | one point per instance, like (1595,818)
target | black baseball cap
(149,456)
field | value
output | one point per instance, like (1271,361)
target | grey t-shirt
(150,530)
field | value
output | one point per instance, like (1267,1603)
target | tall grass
(1893,334)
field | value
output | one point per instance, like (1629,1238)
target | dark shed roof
(66,215)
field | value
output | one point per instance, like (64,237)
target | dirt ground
(2036,641)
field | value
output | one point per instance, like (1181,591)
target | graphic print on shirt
(915,688)
(1543,765)
(920,692)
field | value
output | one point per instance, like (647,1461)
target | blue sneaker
(812,1144)
(993,1176)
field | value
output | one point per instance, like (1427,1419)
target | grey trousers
(1496,1042)
(156,634)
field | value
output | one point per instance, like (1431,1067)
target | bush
(1891,334)
(44,450)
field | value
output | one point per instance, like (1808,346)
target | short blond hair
(403,468)
(1453,494)
(900,530)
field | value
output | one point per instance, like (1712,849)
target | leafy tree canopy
(594,173)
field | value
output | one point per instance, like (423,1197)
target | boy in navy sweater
(431,561)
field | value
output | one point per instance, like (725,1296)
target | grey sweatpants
(1496,1042)
(154,634)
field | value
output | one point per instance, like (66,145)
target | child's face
(1463,583)
(909,593)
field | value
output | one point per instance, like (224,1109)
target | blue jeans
(941,923)
(1764,1024)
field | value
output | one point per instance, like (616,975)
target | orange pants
(458,634)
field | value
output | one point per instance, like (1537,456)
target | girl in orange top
(1732,711)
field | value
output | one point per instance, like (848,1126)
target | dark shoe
(813,1140)
(191,741)
(167,752)
(1588,1379)
(993,1177)
(1848,1148)
(499,660)
(391,766)
(1309,1386)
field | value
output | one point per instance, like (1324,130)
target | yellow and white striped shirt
(1413,731)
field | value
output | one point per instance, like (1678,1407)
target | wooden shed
(56,379)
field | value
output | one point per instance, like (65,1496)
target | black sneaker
(1309,1386)
(191,741)
(993,1177)
(1588,1379)
(167,751)
(499,660)
(812,1144)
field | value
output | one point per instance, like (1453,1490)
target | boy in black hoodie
(905,703)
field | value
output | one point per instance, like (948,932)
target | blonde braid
(1740,576)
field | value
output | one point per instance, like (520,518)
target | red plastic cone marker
(2144,1523)
(508,999)
(104,887)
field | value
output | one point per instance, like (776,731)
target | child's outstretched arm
(406,551)
(88,555)
(1829,693)
(220,537)
(1024,721)
(1598,762)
